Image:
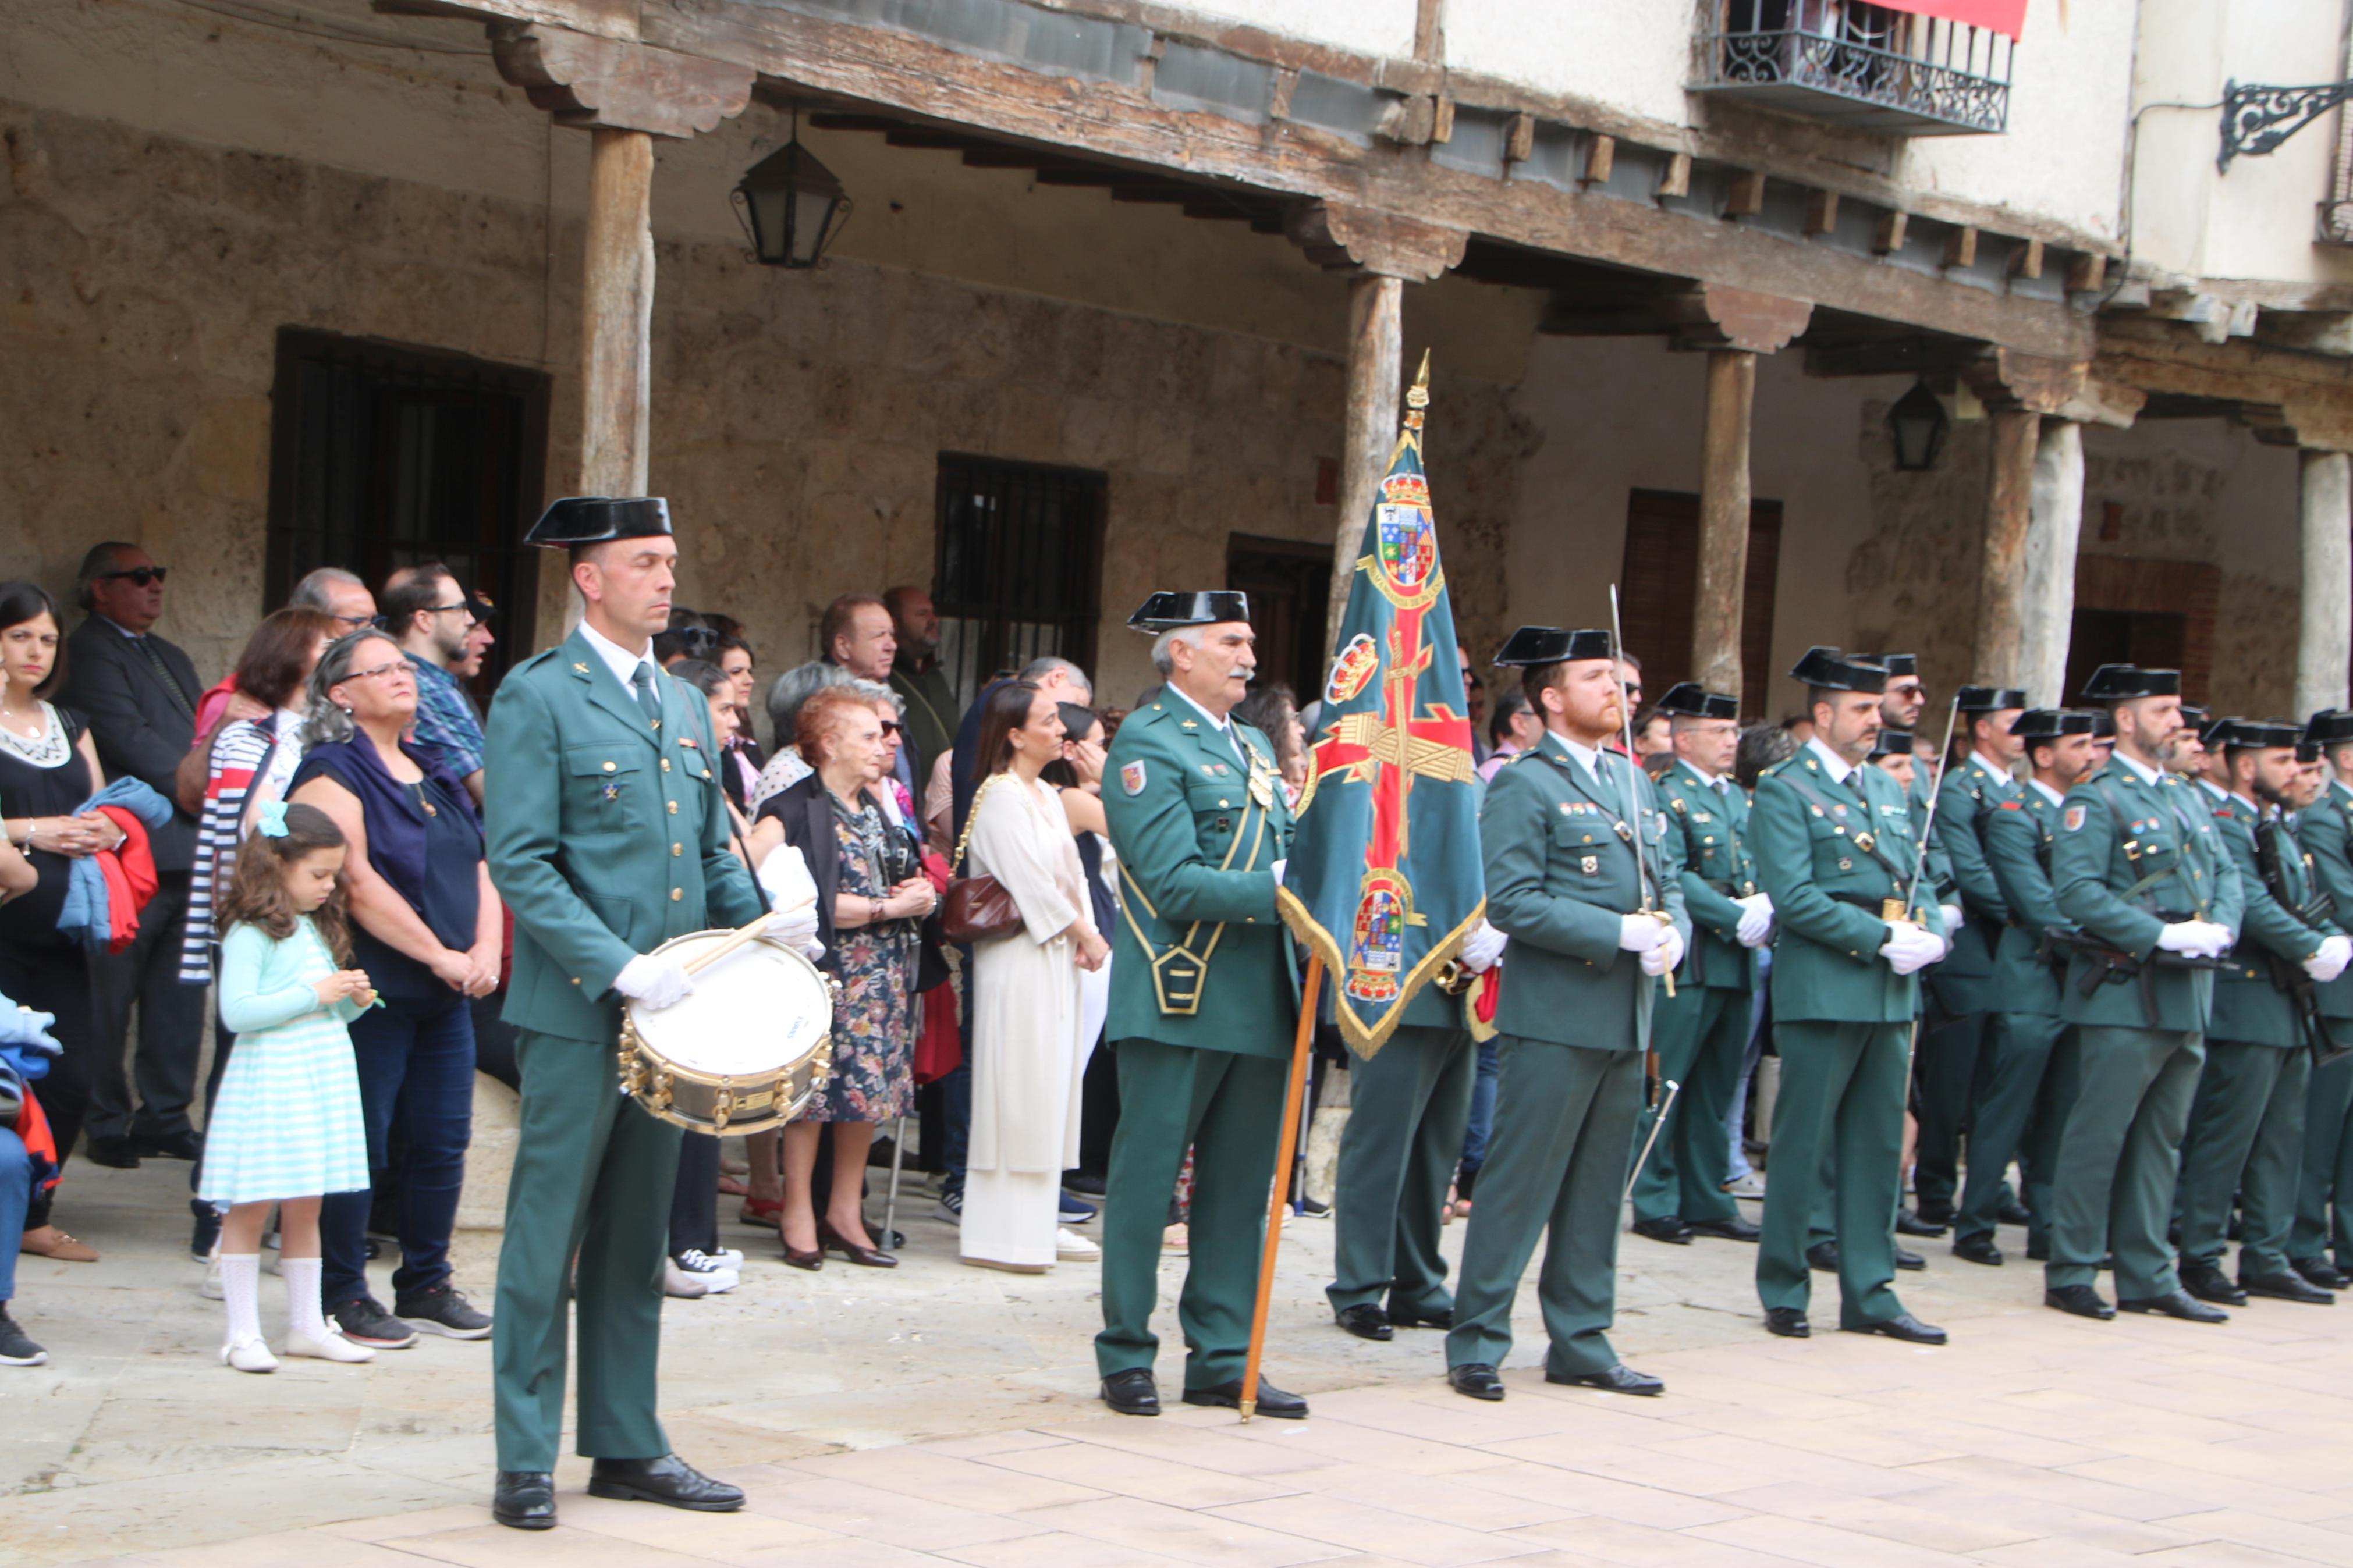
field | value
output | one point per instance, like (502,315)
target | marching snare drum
(744,1050)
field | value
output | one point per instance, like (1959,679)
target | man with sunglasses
(140,694)
(435,622)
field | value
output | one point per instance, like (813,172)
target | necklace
(44,748)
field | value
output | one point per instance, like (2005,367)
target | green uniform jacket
(1964,980)
(606,837)
(1827,890)
(2325,830)
(1561,872)
(2248,1008)
(1203,959)
(2018,834)
(2118,833)
(1707,835)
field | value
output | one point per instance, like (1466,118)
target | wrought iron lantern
(1918,425)
(792,206)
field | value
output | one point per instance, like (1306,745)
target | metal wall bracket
(2257,119)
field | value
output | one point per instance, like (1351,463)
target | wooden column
(2054,526)
(2001,569)
(1723,520)
(616,315)
(2323,643)
(1375,368)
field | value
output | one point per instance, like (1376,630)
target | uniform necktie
(163,672)
(644,681)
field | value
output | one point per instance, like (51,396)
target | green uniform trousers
(582,1153)
(1228,1109)
(2119,1157)
(1841,1103)
(2038,1156)
(2017,1059)
(2322,1226)
(2245,1136)
(1700,1037)
(1555,1162)
(1946,1076)
(1407,1109)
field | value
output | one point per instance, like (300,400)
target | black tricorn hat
(1989,699)
(592,519)
(1690,699)
(2329,726)
(2051,723)
(2213,732)
(2254,734)
(2104,724)
(1892,743)
(2124,682)
(2194,716)
(1166,611)
(1898,665)
(1828,670)
(1532,646)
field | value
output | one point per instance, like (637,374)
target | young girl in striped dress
(287,1129)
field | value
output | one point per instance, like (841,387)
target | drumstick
(735,940)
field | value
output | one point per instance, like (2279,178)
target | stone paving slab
(937,1414)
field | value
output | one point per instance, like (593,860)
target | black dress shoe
(114,1153)
(523,1499)
(1901,1326)
(1419,1317)
(1822,1257)
(1668,1230)
(1934,1213)
(2080,1300)
(2174,1304)
(669,1480)
(1476,1379)
(1366,1321)
(1977,1249)
(832,1240)
(2014,1213)
(1910,1223)
(1790,1322)
(2207,1283)
(2322,1272)
(1272,1401)
(186,1146)
(2285,1287)
(1909,1259)
(1133,1392)
(1619,1379)
(1734,1229)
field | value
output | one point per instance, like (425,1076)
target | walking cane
(898,1158)
(1674,1089)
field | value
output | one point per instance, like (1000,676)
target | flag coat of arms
(1384,878)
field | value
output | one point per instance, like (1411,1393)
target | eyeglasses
(888,728)
(397,667)
(142,576)
(354,622)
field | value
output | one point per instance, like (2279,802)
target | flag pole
(1300,1045)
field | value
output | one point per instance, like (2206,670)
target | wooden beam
(2086,272)
(1600,157)
(1520,139)
(1376,366)
(2026,258)
(2001,577)
(617,303)
(1723,499)
(1674,180)
(1961,246)
(1821,213)
(1887,236)
(1745,197)
(2293,396)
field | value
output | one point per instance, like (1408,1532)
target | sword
(1653,905)
(1674,1089)
(1920,851)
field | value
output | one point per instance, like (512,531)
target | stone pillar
(2324,646)
(1723,520)
(616,315)
(1376,365)
(2001,568)
(2055,525)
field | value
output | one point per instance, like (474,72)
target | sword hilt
(1668,921)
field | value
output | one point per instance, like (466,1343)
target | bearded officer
(1702,1030)
(1579,879)
(1204,1004)
(2137,869)
(1835,847)
(2245,1135)
(607,835)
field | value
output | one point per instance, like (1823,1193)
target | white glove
(784,876)
(2329,962)
(1910,947)
(656,979)
(1663,958)
(1641,933)
(1277,869)
(2195,939)
(1756,920)
(1953,918)
(1482,947)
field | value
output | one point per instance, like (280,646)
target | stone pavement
(938,1415)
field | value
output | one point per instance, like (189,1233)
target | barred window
(1020,566)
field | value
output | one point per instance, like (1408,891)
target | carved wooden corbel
(610,84)
(2008,381)
(1359,240)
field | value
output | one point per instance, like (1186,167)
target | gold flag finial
(1417,397)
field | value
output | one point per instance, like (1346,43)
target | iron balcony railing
(1864,66)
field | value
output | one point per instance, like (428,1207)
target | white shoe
(1072,1247)
(335,1347)
(1751,1186)
(685,1286)
(695,1267)
(211,1289)
(728,1257)
(250,1355)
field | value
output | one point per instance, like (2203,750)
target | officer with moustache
(2320,1247)
(1835,849)
(1578,878)
(2138,871)
(2027,1089)
(1701,1031)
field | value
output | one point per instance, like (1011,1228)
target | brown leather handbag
(977,909)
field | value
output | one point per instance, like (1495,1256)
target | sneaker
(1085,1183)
(716,1276)
(678,1282)
(728,1257)
(950,1208)
(442,1309)
(1069,1246)
(212,1289)
(1751,1186)
(16,1349)
(1309,1208)
(364,1322)
(248,1355)
(1073,1211)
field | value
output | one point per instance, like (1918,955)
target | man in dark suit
(139,693)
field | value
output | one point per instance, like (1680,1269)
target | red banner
(2005,16)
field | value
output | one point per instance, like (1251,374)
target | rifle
(2288,977)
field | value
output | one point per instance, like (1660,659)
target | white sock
(240,1274)
(303,1315)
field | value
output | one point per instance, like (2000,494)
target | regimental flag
(1385,878)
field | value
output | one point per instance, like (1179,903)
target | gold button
(665,764)
(678,849)
(706,772)
(675,895)
(576,980)
(609,767)
(1222,802)
(674,808)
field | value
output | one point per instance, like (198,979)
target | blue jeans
(15,1192)
(417,1070)
(1482,1111)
